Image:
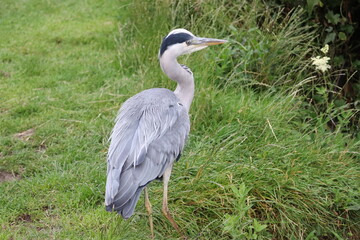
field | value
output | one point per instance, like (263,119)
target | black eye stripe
(173,39)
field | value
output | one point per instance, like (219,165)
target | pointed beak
(206,41)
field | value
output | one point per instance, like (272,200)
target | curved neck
(185,80)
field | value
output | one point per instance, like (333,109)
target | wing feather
(149,134)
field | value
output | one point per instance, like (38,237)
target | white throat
(185,80)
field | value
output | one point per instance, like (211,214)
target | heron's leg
(149,210)
(165,209)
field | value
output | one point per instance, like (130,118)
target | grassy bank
(260,164)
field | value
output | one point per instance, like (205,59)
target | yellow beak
(206,41)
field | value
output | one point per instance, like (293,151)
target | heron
(150,131)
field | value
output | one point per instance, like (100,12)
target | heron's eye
(188,42)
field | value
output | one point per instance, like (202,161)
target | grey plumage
(150,131)
(149,134)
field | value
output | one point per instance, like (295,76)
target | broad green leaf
(330,37)
(258,227)
(342,36)
(332,18)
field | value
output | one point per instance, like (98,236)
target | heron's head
(181,41)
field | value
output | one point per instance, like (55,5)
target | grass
(259,163)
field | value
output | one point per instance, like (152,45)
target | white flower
(325,49)
(321,63)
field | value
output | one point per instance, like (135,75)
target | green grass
(259,164)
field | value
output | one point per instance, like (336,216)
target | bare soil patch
(25,136)
(7,177)
(24,218)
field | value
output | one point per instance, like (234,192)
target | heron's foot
(167,214)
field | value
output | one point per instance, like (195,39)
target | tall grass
(269,144)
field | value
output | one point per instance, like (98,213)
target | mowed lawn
(254,167)
(60,89)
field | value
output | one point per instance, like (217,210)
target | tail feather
(127,209)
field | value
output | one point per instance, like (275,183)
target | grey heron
(151,130)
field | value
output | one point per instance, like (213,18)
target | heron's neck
(185,80)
